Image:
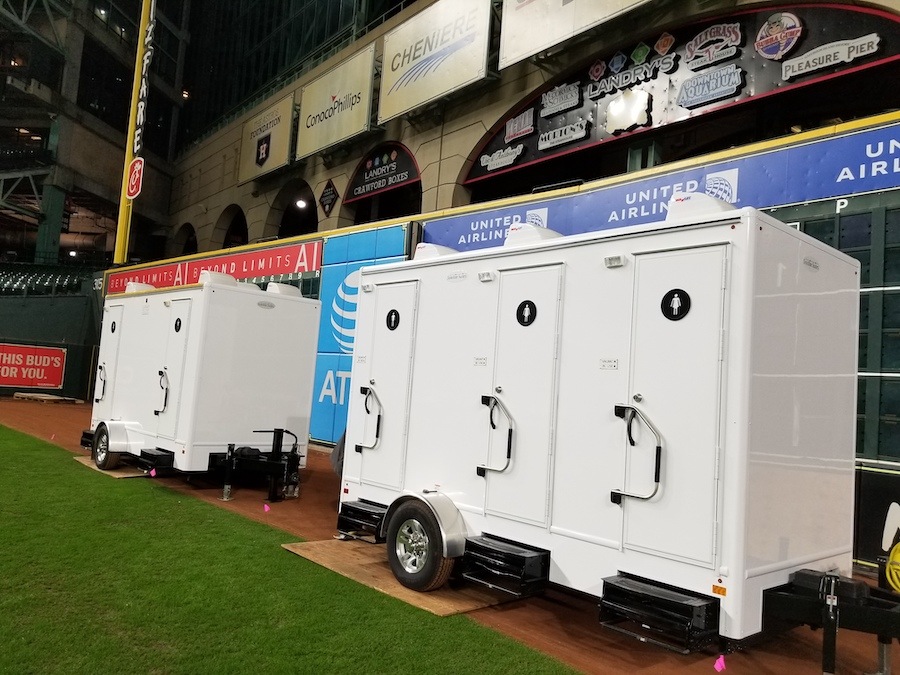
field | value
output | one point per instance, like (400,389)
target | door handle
(102,376)
(493,403)
(629,413)
(369,393)
(163,384)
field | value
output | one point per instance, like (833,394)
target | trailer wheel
(415,548)
(103,458)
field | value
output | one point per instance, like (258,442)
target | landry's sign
(388,166)
(287,262)
(671,76)
(32,367)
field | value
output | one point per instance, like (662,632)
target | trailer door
(107,362)
(675,384)
(524,387)
(390,371)
(171,371)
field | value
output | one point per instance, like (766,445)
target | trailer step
(362,520)
(158,458)
(501,564)
(657,613)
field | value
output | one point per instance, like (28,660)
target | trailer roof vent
(283,289)
(427,251)
(137,287)
(693,204)
(528,233)
(207,277)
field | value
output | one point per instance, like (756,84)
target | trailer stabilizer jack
(829,601)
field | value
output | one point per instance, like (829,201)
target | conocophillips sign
(337,105)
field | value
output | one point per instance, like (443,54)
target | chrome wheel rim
(412,546)
(102,447)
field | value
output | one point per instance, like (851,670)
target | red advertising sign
(275,263)
(32,367)
(135,178)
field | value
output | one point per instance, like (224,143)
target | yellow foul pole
(132,173)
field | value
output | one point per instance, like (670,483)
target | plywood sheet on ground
(367,564)
(124,471)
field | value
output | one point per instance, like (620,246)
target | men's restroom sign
(393,319)
(526,313)
(675,304)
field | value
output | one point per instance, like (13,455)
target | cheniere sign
(286,262)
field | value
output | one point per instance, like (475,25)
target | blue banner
(855,163)
(342,257)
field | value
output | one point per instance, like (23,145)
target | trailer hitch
(628,413)
(492,402)
(369,392)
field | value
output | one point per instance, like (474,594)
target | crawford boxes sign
(32,367)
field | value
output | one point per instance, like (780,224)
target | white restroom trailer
(185,372)
(663,411)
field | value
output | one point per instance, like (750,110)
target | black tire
(415,548)
(103,458)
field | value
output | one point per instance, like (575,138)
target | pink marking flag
(720,663)
(152,473)
(266,508)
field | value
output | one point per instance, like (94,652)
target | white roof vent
(207,277)
(137,287)
(283,289)
(693,204)
(527,233)
(427,251)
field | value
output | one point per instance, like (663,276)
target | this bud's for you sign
(32,367)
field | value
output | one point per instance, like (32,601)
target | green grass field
(125,576)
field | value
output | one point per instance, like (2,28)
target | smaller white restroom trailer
(667,411)
(185,372)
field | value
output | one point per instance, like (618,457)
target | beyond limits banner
(865,161)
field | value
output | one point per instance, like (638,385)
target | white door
(171,373)
(387,396)
(520,409)
(675,384)
(107,362)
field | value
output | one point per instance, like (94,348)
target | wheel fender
(118,435)
(449,519)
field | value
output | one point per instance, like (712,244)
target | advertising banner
(266,141)
(531,26)
(680,74)
(853,163)
(287,262)
(438,51)
(32,367)
(877,513)
(337,105)
(385,167)
(343,257)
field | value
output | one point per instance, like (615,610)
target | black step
(158,458)
(502,564)
(362,516)
(87,439)
(658,613)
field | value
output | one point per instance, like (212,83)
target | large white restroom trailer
(185,372)
(665,411)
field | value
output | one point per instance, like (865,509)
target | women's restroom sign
(676,304)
